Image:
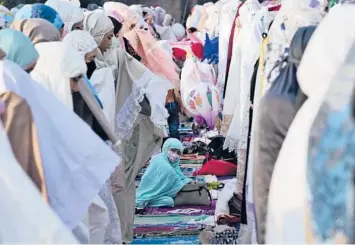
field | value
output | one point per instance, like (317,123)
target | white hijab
(25,217)
(74,2)
(76,162)
(137,8)
(69,12)
(98,24)
(324,55)
(194,19)
(179,31)
(58,63)
(166,33)
(82,41)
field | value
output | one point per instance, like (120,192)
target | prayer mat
(165,219)
(186,210)
(192,161)
(168,230)
(167,240)
(187,157)
(191,165)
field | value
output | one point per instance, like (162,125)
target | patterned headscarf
(39,10)
(6,17)
(82,41)
(292,15)
(330,156)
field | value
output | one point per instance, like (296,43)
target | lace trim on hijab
(238,140)
(127,117)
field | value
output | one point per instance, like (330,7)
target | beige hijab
(21,131)
(37,30)
(97,24)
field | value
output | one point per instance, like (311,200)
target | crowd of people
(89,96)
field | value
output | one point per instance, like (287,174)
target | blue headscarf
(172,143)
(162,180)
(18,47)
(93,91)
(42,11)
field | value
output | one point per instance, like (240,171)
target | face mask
(173,157)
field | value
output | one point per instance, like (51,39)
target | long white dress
(226,17)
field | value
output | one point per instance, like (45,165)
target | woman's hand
(183,110)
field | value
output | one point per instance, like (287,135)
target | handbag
(196,194)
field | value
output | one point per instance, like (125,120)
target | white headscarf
(137,8)
(325,54)
(58,63)
(82,41)
(98,24)
(167,20)
(179,31)
(159,13)
(25,217)
(69,13)
(76,162)
(149,11)
(74,2)
(166,33)
(194,19)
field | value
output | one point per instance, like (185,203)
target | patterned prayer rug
(168,240)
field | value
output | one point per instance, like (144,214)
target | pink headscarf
(153,57)
(117,16)
(130,17)
(113,13)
